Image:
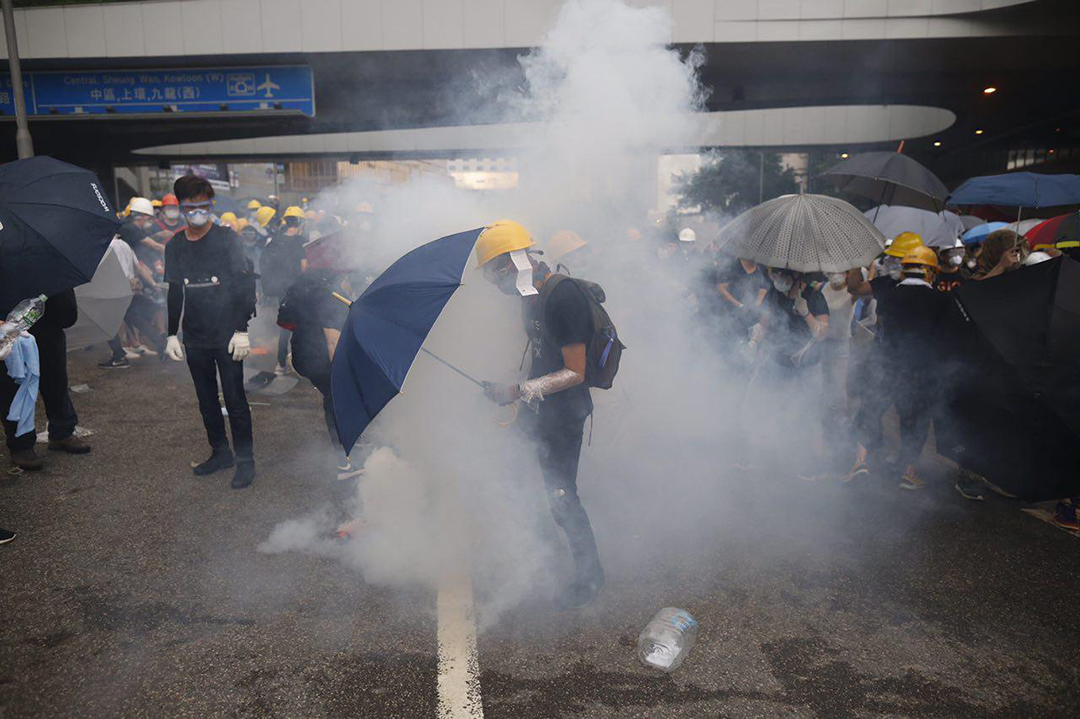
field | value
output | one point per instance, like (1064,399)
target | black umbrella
(55,226)
(1013,411)
(890,178)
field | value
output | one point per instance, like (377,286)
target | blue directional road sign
(217,90)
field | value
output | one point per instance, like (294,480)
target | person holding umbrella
(211,285)
(559,325)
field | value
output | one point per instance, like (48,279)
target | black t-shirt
(132,234)
(788,331)
(212,272)
(916,313)
(310,306)
(280,262)
(567,320)
(949,281)
(742,285)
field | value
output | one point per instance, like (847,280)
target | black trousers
(559,449)
(53,390)
(322,383)
(205,366)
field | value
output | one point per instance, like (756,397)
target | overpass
(395,78)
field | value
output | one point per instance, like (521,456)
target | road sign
(125,92)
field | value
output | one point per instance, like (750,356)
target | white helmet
(687,235)
(1035,258)
(141,205)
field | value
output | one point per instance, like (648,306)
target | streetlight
(937,143)
(23,144)
(989,90)
(979,132)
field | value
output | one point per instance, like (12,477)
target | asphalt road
(135,589)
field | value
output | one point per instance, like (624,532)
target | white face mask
(837,280)
(198,218)
(972,263)
(956,260)
(782,283)
(172,213)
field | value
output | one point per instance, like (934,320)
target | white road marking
(459,668)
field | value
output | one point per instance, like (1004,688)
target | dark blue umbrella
(1019,189)
(55,226)
(387,326)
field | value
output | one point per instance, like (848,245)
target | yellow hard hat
(499,238)
(920,255)
(228,218)
(563,242)
(904,243)
(155,203)
(241,223)
(294,211)
(264,214)
(254,205)
(127,210)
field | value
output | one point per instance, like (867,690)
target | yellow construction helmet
(920,255)
(904,243)
(294,211)
(254,205)
(228,218)
(155,203)
(500,238)
(264,214)
(563,242)
(241,223)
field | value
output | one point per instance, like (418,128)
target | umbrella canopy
(970,221)
(55,225)
(976,235)
(1022,227)
(330,252)
(805,233)
(1016,371)
(1056,231)
(102,302)
(388,325)
(891,179)
(1019,189)
(937,229)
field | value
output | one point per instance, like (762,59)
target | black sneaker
(220,459)
(122,363)
(243,476)
(6,535)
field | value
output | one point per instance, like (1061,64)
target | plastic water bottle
(667,638)
(20,319)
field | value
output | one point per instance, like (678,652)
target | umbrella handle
(513,417)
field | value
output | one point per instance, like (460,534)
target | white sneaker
(131,354)
(144,350)
(280,370)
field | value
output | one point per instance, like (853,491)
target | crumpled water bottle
(666,640)
(20,319)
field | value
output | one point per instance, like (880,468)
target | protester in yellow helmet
(561,244)
(229,220)
(254,205)
(264,215)
(557,318)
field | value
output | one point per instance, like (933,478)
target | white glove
(757,333)
(172,349)
(239,346)
(801,308)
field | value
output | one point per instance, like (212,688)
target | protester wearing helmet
(281,264)
(229,220)
(952,274)
(212,286)
(252,208)
(558,322)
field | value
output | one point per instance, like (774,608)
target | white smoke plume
(448,483)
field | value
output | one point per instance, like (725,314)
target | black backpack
(279,266)
(604,350)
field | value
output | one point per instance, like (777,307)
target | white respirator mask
(837,280)
(782,283)
(197,218)
(956,260)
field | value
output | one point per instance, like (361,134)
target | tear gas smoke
(447,482)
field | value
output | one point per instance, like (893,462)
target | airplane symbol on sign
(268,86)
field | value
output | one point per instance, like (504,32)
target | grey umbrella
(806,233)
(890,178)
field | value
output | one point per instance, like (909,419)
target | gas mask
(891,266)
(972,263)
(837,280)
(513,277)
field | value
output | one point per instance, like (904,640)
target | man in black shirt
(558,322)
(795,319)
(951,275)
(210,284)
